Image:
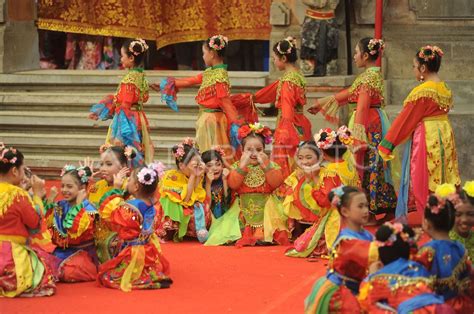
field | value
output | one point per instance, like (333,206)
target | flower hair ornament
(429,52)
(3,151)
(338,193)
(292,44)
(180,152)
(345,135)
(139,42)
(104,147)
(130,152)
(81,172)
(397,229)
(372,43)
(147,175)
(219,150)
(256,128)
(159,167)
(443,192)
(222,42)
(329,136)
(468,188)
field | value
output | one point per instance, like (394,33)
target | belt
(320,15)
(443,117)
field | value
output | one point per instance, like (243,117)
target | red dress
(289,96)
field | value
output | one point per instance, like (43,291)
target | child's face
(26,183)
(254,147)
(464,219)
(360,59)
(279,61)
(109,165)
(358,211)
(207,55)
(193,164)
(69,188)
(306,157)
(128,62)
(215,166)
(132,183)
(17,175)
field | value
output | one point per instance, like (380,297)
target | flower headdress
(468,188)
(329,136)
(4,151)
(219,150)
(130,152)
(338,193)
(372,43)
(104,147)
(397,229)
(443,192)
(345,135)
(292,44)
(148,175)
(180,152)
(256,128)
(81,172)
(429,52)
(139,42)
(222,42)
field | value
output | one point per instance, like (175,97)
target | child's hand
(93,116)
(119,178)
(225,173)
(262,159)
(37,185)
(199,170)
(88,162)
(53,193)
(156,87)
(245,159)
(81,196)
(314,109)
(210,176)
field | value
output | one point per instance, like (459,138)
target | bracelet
(241,171)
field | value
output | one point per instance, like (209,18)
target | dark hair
(337,149)
(398,249)
(466,198)
(9,154)
(217,41)
(284,46)
(312,146)
(119,152)
(138,53)
(433,63)
(74,173)
(146,189)
(444,219)
(253,135)
(28,173)
(364,48)
(211,154)
(189,153)
(345,198)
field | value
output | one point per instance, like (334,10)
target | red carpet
(206,280)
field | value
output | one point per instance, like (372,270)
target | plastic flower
(159,167)
(188,141)
(444,190)
(222,42)
(179,152)
(219,150)
(146,176)
(372,43)
(67,168)
(344,135)
(469,188)
(329,139)
(128,152)
(104,147)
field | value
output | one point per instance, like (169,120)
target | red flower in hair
(244,131)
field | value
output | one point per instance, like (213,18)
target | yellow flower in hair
(444,190)
(469,188)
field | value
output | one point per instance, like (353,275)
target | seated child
(349,259)
(71,222)
(18,218)
(140,263)
(445,259)
(182,194)
(397,284)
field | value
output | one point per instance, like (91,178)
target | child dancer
(218,121)
(445,259)
(23,271)
(464,219)
(71,222)
(129,125)
(140,263)
(253,179)
(288,94)
(369,124)
(400,285)
(430,155)
(217,188)
(334,172)
(351,255)
(114,161)
(183,195)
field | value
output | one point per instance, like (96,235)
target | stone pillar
(19,50)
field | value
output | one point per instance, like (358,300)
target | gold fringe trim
(445,102)
(329,108)
(9,194)
(358,131)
